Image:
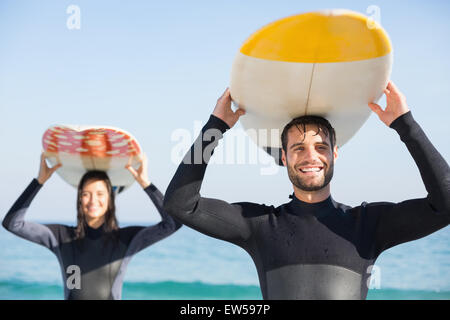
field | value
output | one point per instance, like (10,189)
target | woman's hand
(141,173)
(45,172)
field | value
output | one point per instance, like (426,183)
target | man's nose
(310,155)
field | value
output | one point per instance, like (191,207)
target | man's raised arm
(416,218)
(182,200)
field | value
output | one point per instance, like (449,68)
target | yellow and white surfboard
(329,63)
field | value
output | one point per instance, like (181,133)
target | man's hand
(224,112)
(395,105)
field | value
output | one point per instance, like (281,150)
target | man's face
(309,158)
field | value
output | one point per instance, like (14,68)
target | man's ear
(335,153)
(283,157)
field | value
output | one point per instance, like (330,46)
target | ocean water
(190,265)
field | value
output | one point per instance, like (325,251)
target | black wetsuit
(313,250)
(100,258)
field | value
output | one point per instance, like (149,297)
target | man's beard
(300,183)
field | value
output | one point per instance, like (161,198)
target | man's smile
(310,170)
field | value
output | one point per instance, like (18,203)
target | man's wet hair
(301,122)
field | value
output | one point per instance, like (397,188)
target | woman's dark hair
(110,224)
(321,123)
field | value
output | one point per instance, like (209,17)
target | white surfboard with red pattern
(83,148)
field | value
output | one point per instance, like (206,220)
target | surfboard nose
(83,148)
(329,63)
(319,37)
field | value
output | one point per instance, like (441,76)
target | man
(313,247)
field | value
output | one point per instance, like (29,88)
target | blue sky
(154,67)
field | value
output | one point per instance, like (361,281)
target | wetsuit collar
(316,208)
(93,234)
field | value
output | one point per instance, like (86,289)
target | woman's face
(94,201)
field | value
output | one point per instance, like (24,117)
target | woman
(93,255)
